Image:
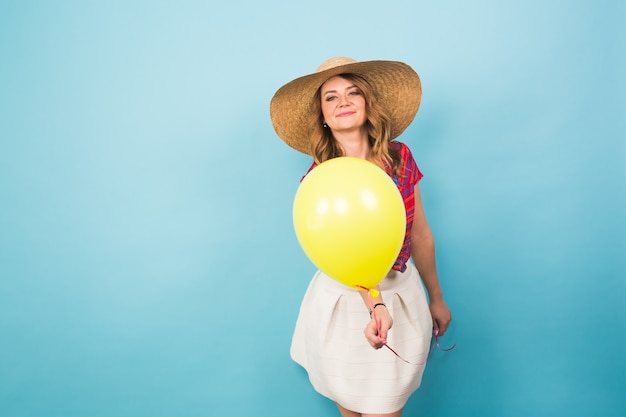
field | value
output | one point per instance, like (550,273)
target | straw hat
(396,85)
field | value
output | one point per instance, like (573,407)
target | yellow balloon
(350,220)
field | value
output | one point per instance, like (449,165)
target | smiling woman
(348,106)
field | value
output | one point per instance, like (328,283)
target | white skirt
(329,343)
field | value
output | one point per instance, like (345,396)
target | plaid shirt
(409,176)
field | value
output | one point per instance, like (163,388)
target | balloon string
(371,291)
(435,339)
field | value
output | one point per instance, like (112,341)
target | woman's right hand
(376,330)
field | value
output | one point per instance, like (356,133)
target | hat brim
(396,85)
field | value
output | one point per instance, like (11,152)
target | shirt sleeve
(313,165)
(411,172)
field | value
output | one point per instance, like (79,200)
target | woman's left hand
(441,316)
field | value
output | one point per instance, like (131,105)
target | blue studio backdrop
(148,263)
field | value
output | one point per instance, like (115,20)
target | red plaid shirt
(409,176)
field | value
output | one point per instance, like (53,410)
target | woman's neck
(355,144)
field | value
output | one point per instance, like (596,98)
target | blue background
(148,264)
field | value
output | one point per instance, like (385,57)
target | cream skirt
(329,343)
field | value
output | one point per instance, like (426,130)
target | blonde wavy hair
(324,146)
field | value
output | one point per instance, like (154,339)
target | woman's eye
(330,98)
(354,93)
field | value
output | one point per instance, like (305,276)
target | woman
(356,109)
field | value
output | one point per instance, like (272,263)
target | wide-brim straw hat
(396,86)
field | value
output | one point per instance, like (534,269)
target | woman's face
(343,105)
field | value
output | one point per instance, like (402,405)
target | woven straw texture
(396,85)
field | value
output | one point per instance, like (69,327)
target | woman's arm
(379,320)
(423,254)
